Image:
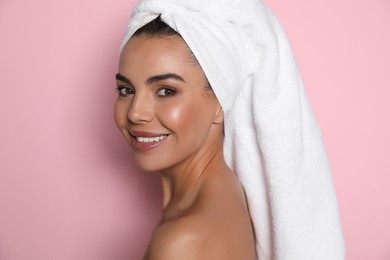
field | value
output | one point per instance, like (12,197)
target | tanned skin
(162,91)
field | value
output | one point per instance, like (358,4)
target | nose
(140,110)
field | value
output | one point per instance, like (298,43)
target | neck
(181,183)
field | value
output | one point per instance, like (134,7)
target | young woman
(209,96)
(170,116)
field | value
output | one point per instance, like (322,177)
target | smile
(145,141)
(150,139)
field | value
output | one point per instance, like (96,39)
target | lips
(145,141)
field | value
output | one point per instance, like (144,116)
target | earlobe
(219,115)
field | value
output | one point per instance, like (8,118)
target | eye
(124,91)
(166,92)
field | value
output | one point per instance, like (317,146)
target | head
(165,108)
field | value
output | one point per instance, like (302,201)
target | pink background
(68,188)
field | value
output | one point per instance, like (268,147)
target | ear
(219,115)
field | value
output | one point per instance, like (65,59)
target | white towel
(272,141)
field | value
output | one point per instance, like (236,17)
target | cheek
(189,119)
(179,116)
(171,116)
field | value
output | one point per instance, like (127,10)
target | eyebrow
(152,79)
(120,77)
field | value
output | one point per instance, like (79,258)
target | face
(162,108)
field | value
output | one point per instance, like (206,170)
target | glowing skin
(175,105)
(176,127)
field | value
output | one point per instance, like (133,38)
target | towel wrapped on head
(272,140)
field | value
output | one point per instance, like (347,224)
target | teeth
(151,139)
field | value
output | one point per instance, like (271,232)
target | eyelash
(172,92)
(119,89)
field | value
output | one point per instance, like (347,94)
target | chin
(148,166)
(155,159)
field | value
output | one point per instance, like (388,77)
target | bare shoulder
(182,238)
(215,226)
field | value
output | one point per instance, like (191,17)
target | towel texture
(272,140)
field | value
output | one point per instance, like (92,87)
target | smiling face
(163,109)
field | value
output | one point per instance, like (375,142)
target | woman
(168,113)
(209,90)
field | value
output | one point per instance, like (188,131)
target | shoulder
(183,238)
